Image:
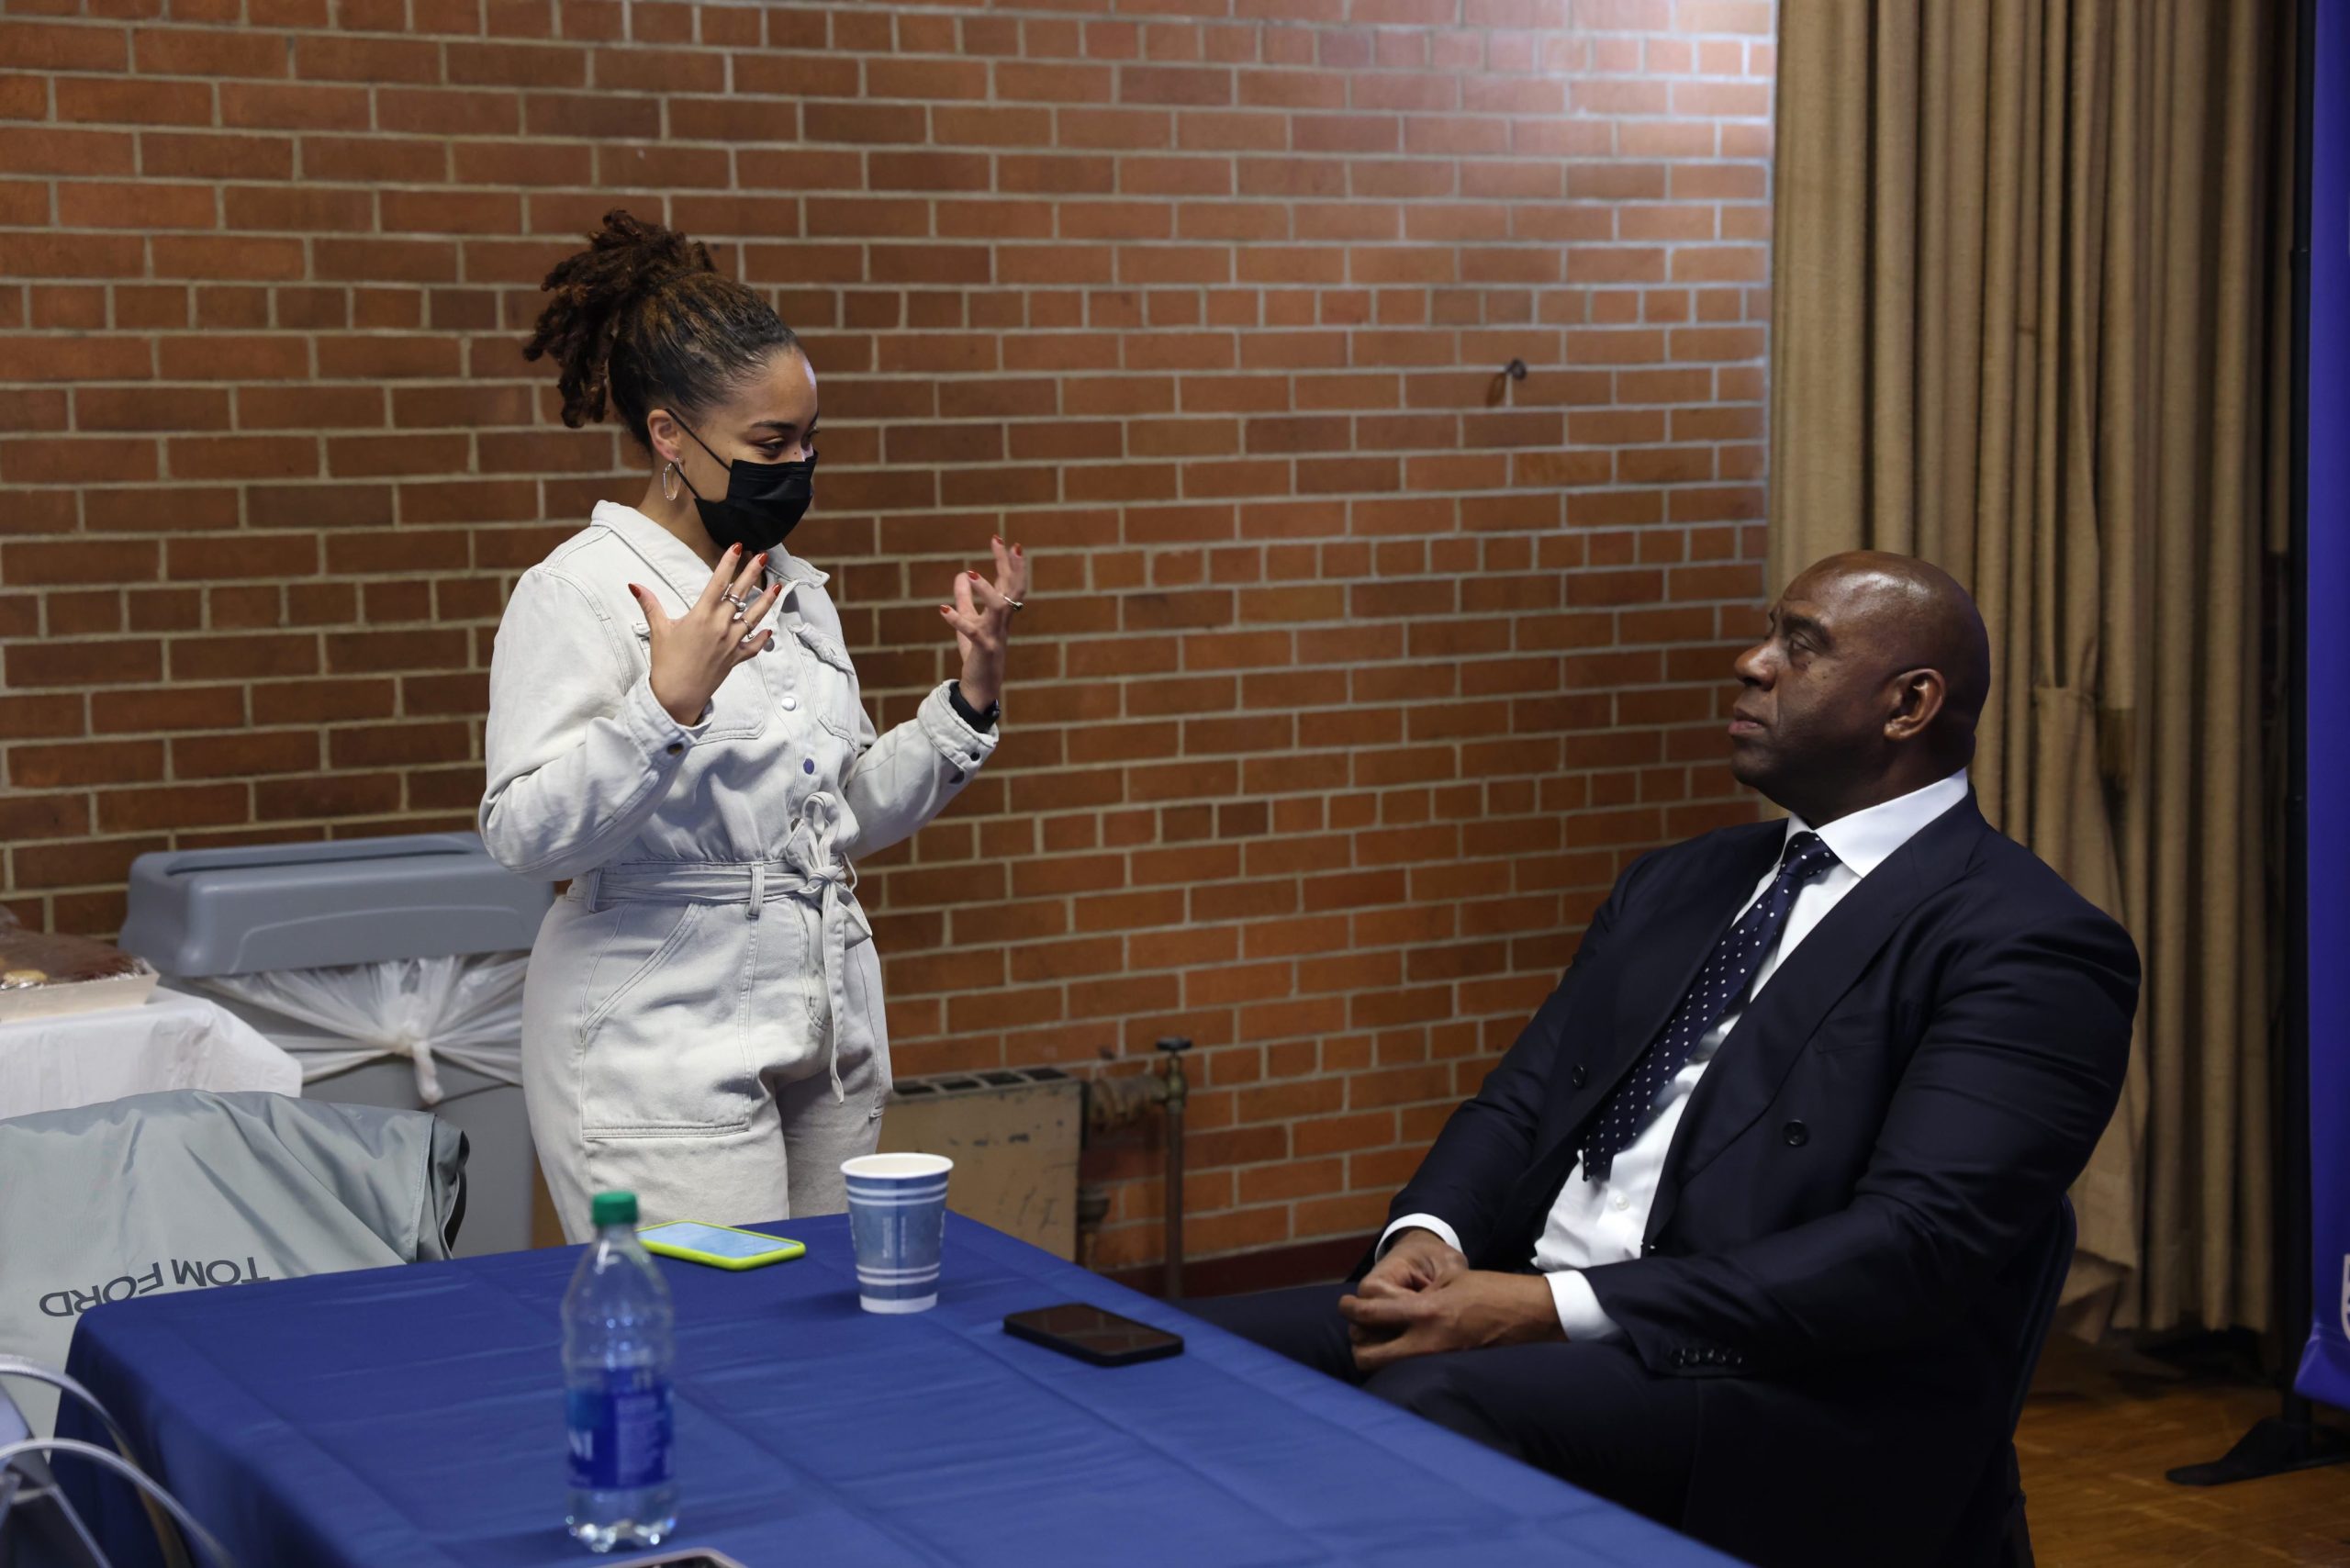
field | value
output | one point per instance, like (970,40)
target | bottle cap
(612,1208)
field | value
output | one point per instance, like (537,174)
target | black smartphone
(1093,1335)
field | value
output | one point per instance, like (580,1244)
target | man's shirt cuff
(1579,1311)
(1419,1222)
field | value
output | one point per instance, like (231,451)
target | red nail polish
(975,576)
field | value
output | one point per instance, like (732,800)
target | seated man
(1746,1230)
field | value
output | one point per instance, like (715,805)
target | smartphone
(1093,1335)
(719,1246)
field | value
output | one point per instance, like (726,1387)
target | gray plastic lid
(301,906)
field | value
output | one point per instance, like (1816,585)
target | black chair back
(2053,1267)
(2015,1536)
(1991,1532)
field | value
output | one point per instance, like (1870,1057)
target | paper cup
(897,1219)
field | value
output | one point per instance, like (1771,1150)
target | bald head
(1920,618)
(1869,685)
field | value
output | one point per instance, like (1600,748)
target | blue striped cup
(897,1217)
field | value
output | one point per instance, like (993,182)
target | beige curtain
(2028,279)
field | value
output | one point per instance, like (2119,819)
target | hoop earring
(669,482)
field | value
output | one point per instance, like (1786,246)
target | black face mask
(764,501)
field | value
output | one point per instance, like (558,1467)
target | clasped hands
(1423,1298)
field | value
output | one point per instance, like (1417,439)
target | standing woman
(675,727)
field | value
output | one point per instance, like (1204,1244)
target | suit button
(1796,1134)
(1579,1077)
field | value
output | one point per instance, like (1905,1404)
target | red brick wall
(1353,677)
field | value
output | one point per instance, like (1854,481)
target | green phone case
(784,1251)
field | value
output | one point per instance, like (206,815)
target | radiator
(1014,1137)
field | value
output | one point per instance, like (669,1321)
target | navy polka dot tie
(1720,986)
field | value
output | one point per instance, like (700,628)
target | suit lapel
(1655,960)
(1761,1051)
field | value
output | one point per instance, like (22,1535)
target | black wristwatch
(982,721)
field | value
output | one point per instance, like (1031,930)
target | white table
(174,1041)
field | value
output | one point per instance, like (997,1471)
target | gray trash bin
(390,967)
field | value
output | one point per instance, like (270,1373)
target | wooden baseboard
(1272,1268)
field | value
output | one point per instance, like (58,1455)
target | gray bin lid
(301,906)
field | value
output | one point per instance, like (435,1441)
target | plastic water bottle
(619,1340)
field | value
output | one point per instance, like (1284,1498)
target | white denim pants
(709,1037)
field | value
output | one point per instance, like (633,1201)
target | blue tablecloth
(412,1418)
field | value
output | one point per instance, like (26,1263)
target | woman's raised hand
(693,654)
(982,616)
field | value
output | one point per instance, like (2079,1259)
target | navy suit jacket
(1863,1191)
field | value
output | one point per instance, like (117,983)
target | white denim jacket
(587,770)
(765,800)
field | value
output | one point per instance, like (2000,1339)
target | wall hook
(1498,392)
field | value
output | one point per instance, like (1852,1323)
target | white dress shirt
(1605,1221)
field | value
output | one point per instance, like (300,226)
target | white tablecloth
(174,1041)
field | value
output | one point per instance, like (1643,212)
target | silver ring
(740,604)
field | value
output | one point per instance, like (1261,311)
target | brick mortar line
(90,793)
(910,193)
(916,602)
(1179,416)
(1090,465)
(1429,744)
(1612,486)
(910,909)
(958,196)
(131,27)
(1109,66)
(909,288)
(1175,112)
(1103,198)
(454,573)
(1066,16)
(360,726)
(265,726)
(963,377)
